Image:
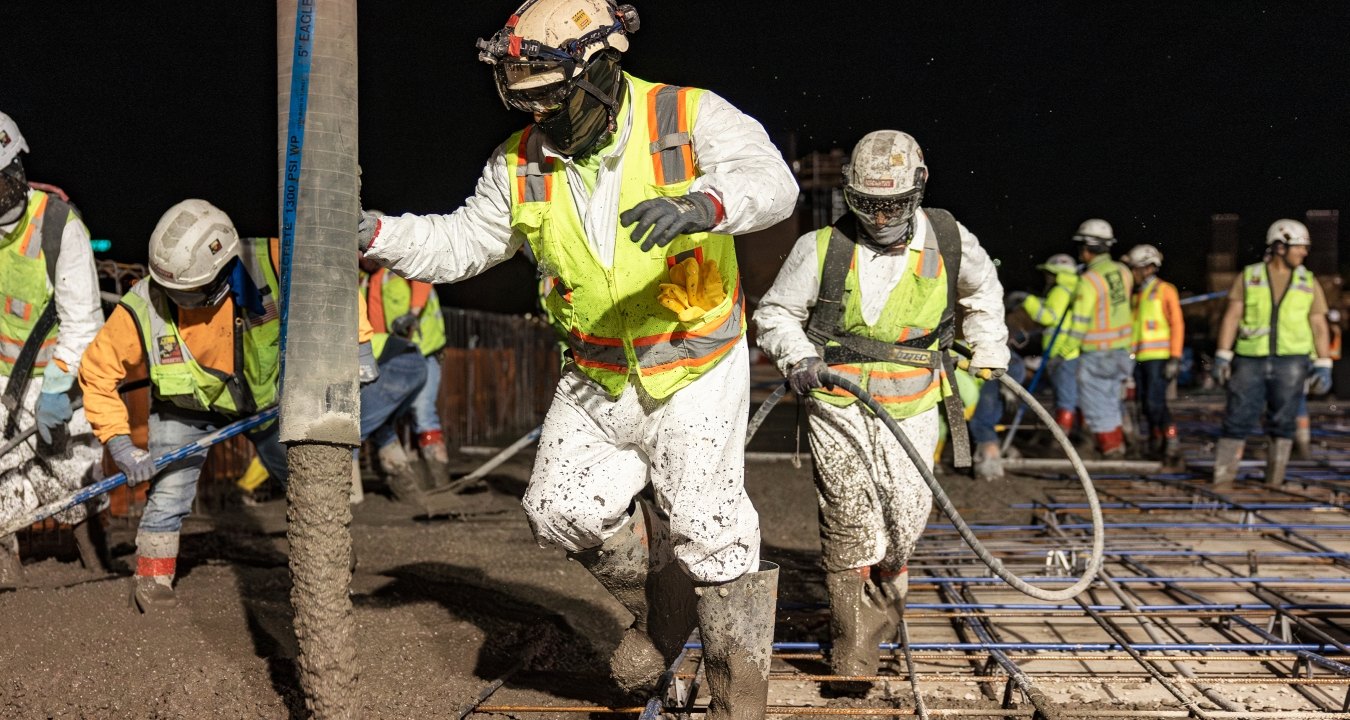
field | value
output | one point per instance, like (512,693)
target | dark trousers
(1150,388)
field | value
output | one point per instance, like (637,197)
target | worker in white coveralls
(629,192)
(872,298)
(49,310)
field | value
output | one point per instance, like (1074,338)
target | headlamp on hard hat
(535,77)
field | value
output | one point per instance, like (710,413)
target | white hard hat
(11,140)
(1142,255)
(1289,232)
(547,43)
(192,243)
(886,162)
(1060,264)
(1095,231)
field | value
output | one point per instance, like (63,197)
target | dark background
(1033,116)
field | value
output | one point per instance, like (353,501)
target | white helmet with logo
(192,243)
(547,43)
(1095,231)
(1059,264)
(1143,256)
(1289,232)
(11,140)
(886,176)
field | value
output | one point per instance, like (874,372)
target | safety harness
(825,324)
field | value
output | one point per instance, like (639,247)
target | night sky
(1033,116)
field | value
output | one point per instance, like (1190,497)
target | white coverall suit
(27,481)
(874,503)
(596,452)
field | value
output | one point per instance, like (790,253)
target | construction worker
(628,192)
(1276,321)
(1158,340)
(1100,322)
(884,280)
(1061,348)
(992,400)
(50,310)
(205,326)
(410,309)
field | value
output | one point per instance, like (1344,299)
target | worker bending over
(1158,340)
(1101,324)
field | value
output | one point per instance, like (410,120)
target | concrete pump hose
(945,504)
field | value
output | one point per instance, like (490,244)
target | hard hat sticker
(582,20)
(5,139)
(879,182)
(168,350)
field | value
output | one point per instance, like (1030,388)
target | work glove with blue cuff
(1319,379)
(666,217)
(131,460)
(54,407)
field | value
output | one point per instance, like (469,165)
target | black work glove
(404,325)
(805,375)
(1171,369)
(667,217)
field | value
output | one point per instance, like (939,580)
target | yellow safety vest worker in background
(1261,333)
(1152,339)
(1048,312)
(914,309)
(390,296)
(1101,308)
(617,326)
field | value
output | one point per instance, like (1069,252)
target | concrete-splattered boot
(11,567)
(988,462)
(859,622)
(436,457)
(400,475)
(92,543)
(633,566)
(1171,447)
(1111,444)
(1302,440)
(1277,460)
(1227,458)
(156,564)
(736,620)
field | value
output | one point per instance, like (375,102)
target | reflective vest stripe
(1099,285)
(29,248)
(691,348)
(672,152)
(890,392)
(1152,336)
(533,183)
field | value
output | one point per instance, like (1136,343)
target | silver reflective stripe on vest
(660,350)
(669,139)
(594,354)
(910,386)
(931,257)
(536,189)
(160,329)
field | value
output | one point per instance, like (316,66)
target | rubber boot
(1111,444)
(1277,460)
(988,462)
(11,566)
(1064,418)
(1227,458)
(1171,448)
(736,620)
(858,624)
(400,475)
(651,585)
(1302,440)
(437,459)
(156,564)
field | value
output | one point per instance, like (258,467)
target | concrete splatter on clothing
(873,500)
(28,481)
(596,453)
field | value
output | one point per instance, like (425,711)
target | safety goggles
(205,296)
(13,187)
(886,207)
(535,85)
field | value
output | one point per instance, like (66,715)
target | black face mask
(208,295)
(13,192)
(585,122)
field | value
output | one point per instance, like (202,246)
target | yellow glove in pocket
(693,289)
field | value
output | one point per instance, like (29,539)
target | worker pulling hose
(945,504)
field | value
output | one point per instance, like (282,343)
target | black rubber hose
(945,504)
